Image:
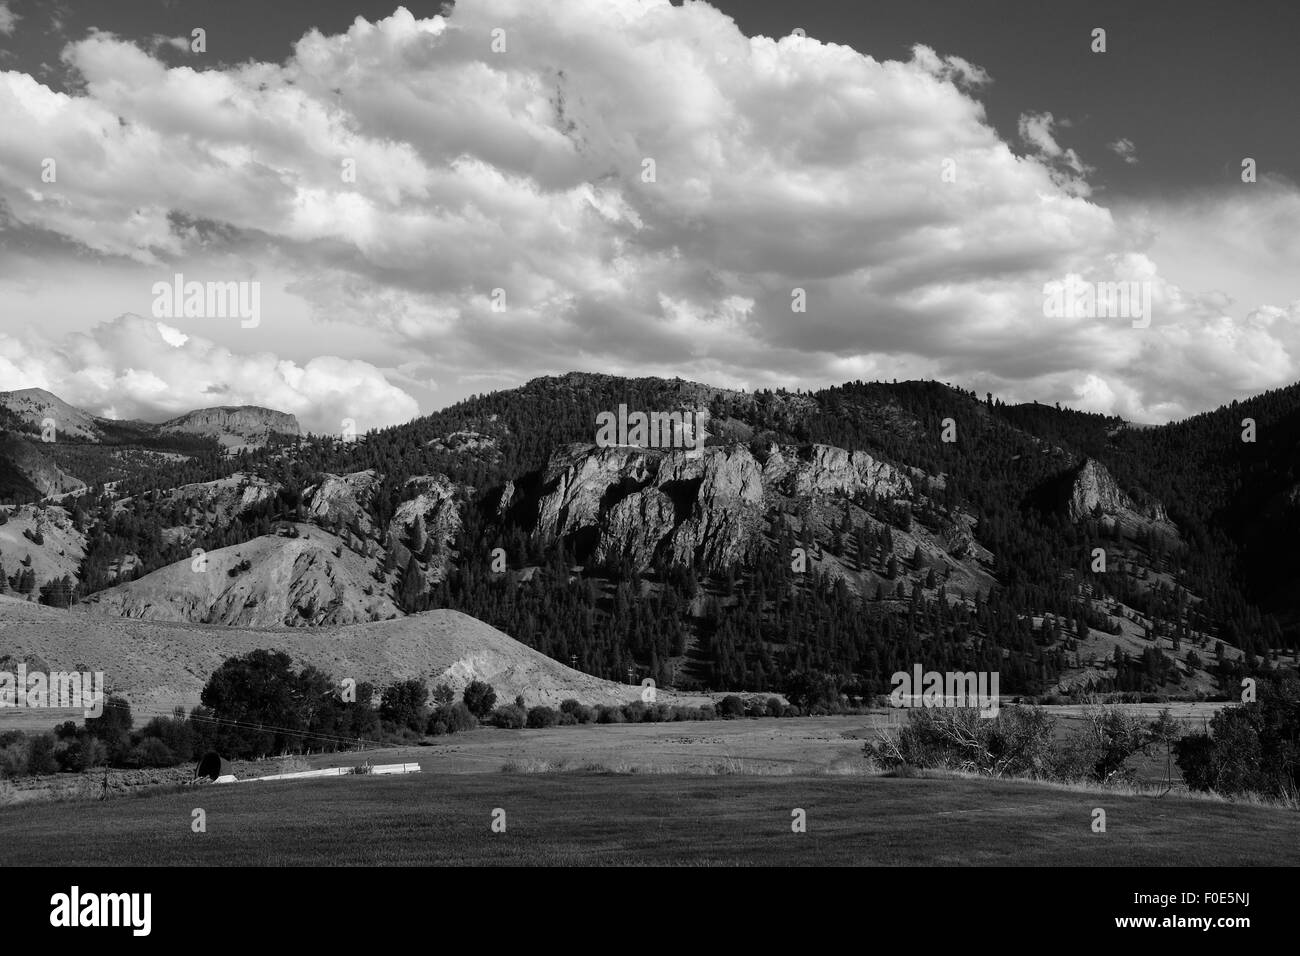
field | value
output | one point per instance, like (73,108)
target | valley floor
(716,793)
(653,819)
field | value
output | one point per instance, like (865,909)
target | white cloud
(779,164)
(1069,171)
(131,367)
(1125,150)
(8,19)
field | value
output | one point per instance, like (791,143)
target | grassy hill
(157,665)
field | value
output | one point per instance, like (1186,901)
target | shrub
(76,756)
(13,759)
(570,706)
(1251,748)
(774,707)
(731,706)
(605,714)
(510,716)
(635,712)
(1017,742)
(403,704)
(176,733)
(151,752)
(40,755)
(453,718)
(542,716)
(114,721)
(566,720)
(480,698)
(707,712)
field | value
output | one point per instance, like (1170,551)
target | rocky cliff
(241,426)
(704,510)
(1094,490)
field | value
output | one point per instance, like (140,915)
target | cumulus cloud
(630,186)
(1037,130)
(132,367)
(1125,150)
(8,19)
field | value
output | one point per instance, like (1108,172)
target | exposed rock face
(1094,488)
(432,516)
(235,426)
(343,501)
(307,580)
(829,470)
(703,510)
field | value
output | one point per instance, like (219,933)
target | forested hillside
(974,556)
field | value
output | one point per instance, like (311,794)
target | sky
(433,202)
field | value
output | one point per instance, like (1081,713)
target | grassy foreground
(654,819)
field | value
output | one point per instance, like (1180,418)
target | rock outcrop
(235,426)
(1093,490)
(344,502)
(701,509)
(432,518)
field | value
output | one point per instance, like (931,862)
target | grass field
(650,819)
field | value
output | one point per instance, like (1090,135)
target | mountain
(234,427)
(48,447)
(41,411)
(851,531)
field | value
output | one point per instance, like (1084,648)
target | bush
(13,760)
(114,721)
(570,706)
(79,755)
(707,712)
(509,716)
(542,716)
(605,714)
(480,698)
(403,704)
(1017,742)
(176,733)
(774,707)
(635,712)
(452,718)
(1252,748)
(566,720)
(151,752)
(731,706)
(40,755)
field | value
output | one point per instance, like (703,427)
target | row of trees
(1253,748)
